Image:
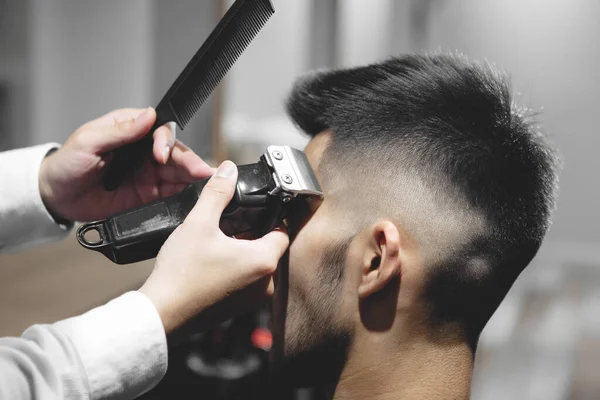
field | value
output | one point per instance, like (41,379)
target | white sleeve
(24,220)
(116,351)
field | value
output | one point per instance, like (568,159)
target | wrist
(44,186)
(46,190)
(162,307)
(177,312)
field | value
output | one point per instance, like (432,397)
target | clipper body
(263,194)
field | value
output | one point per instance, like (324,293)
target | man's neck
(415,370)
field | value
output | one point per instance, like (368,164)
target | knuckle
(220,191)
(76,138)
(81,137)
(126,125)
(284,242)
(218,188)
(269,264)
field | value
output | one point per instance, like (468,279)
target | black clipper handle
(138,234)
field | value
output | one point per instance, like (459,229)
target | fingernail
(165,154)
(172,137)
(226,169)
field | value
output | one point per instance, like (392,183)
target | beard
(310,345)
(318,366)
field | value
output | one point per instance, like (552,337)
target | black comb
(218,53)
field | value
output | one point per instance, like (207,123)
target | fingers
(169,189)
(98,139)
(119,115)
(270,248)
(173,174)
(184,166)
(217,193)
(164,141)
(145,182)
(183,157)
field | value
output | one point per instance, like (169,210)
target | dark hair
(453,119)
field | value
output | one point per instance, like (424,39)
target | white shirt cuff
(25,219)
(122,345)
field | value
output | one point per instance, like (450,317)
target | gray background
(63,62)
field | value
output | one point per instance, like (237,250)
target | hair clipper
(263,194)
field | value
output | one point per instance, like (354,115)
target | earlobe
(383,264)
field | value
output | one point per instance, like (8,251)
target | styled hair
(451,123)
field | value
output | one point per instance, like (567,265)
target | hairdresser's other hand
(70,179)
(201,272)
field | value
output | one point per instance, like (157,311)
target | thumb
(269,249)
(104,138)
(216,194)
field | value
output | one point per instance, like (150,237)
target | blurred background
(64,62)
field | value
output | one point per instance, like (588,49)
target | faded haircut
(443,131)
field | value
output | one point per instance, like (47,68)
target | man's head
(438,193)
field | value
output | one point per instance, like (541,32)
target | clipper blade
(293,171)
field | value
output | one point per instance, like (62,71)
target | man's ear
(381,263)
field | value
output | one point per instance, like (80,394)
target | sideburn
(324,341)
(333,263)
(329,355)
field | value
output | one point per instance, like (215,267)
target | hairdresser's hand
(70,179)
(200,272)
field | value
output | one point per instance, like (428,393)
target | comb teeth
(217,55)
